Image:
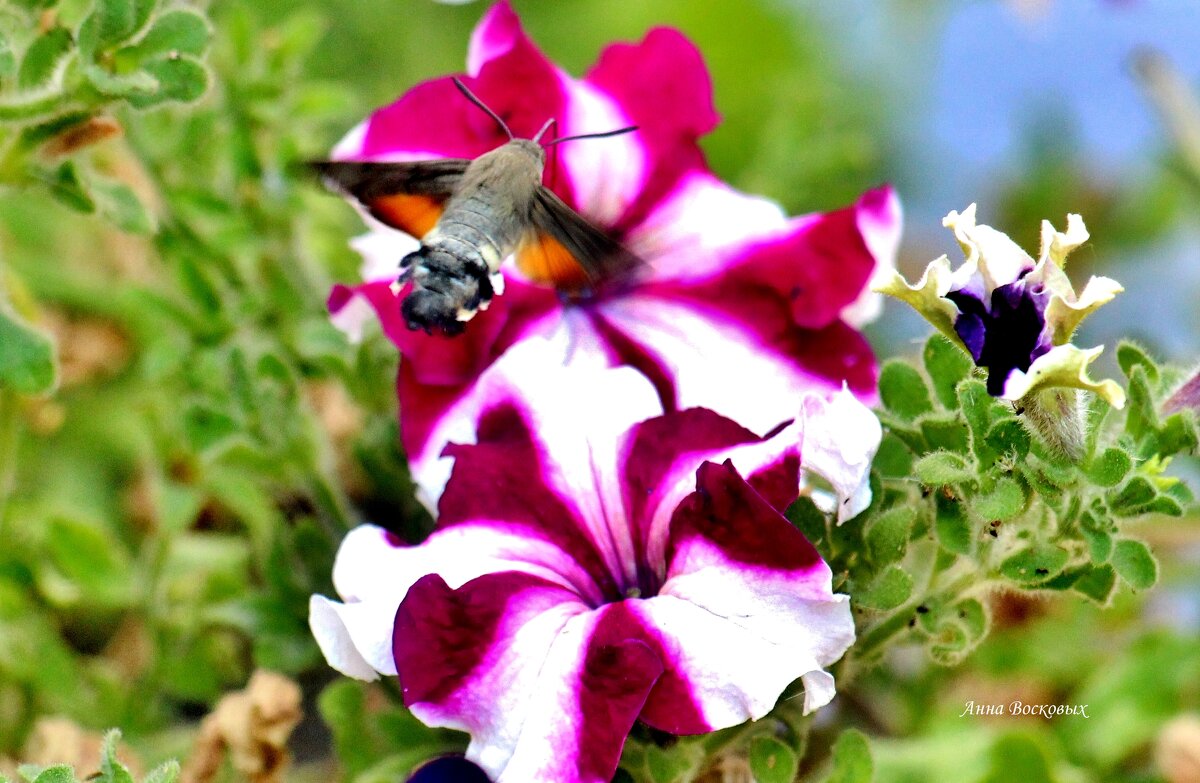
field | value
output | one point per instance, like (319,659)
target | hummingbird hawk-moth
(470,215)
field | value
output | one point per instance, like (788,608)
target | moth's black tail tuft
(447,291)
(431,310)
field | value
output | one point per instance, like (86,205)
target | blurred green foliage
(184,437)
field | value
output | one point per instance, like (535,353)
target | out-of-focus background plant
(184,438)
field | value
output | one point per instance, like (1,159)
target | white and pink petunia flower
(740,309)
(597,562)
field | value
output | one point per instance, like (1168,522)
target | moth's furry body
(472,214)
(483,223)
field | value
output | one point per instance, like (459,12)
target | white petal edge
(839,439)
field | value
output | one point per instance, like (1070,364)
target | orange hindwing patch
(544,259)
(414,214)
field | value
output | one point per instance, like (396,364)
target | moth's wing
(563,248)
(407,196)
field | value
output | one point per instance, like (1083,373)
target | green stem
(9,425)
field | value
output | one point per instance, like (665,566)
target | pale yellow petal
(1063,365)
(1064,316)
(1057,245)
(927,297)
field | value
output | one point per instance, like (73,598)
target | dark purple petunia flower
(1014,315)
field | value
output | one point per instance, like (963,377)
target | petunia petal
(840,438)
(993,259)
(1063,365)
(663,87)
(880,220)
(709,236)
(746,609)
(374,570)
(709,353)
(524,667)
(353,638)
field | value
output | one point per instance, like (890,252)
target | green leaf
(772,762)
(1131,356)
(952,528)
(947,365)
(674,765)
(945,431)
(1133,497)
(167,772)
(1134,564)
(59,773)
(808,519)
(1165,504)
(26,356)
(887,534)
(120,85)
(207,427)
(42,58)
(1017,757)
(111,23)
(175,32)
(903,390)
(852,762)
(8,58)
(1178,434)
(86,566)
(1099,540)
(888,590)
(182,78)
(1096,583)
(66,187)
(894,459)
(977,405)
(1141,418)
(941,468)
(112,770)
(1109,468)
(117,202)
(1003,502)
(1009,436)
(970,613)
(343,708)
(1034,564)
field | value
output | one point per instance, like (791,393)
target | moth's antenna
(604,135)
(471,97)
(545,128)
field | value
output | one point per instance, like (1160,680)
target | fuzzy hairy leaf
(1135,564)
(43,56)
(947,365)
(771,761)
(942,468)
(1003,502)
(888,590)
(1035,564)
(903,390)
(852,762)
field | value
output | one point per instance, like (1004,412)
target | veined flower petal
(1063,365)
(710,353)
(993,259)
(840,438)
(547,688)
(739,571)
(928,296)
